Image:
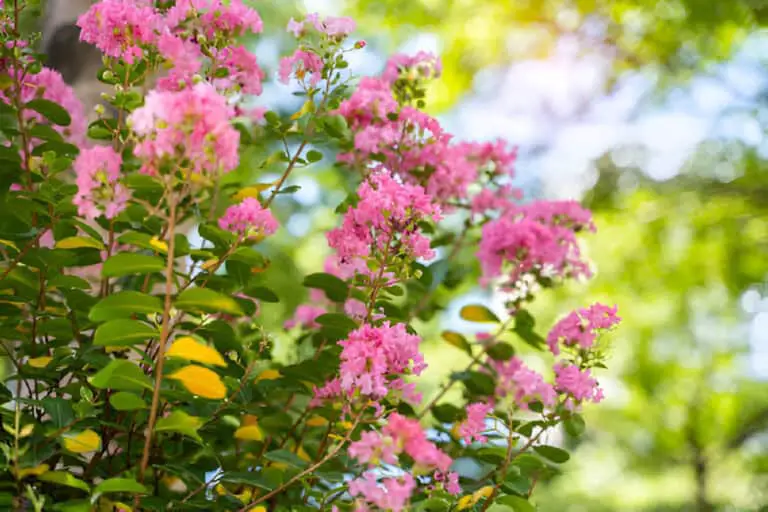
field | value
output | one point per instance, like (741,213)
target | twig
(164,334)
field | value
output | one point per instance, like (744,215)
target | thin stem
(447,386)
(164,334)
(310,469)
(32,243)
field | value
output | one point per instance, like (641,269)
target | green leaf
(498,507)
(517,503)
(517,484)
(45,132)
(433,505)
(207,301)
(127,485)
(60,411)
(262,293)
(54,112)
(337,320)
(123,332)
(335,289)
(575,425)
(446,413)
(479,314)
(121,374)
(286,457)
(125,401)
(552,453)
(457,340)
(126,263)
(480,383)
(181,422)
(501,351)
(125,304)
(314,156)
(247,478)
(64,478)
(524,325)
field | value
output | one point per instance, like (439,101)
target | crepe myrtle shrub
(140,375)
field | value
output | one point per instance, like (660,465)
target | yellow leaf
(268,375)
(79,242)
(258,508)
(27,430)
(346,425)
(465,502)
(249,420)
(220,490)
(9,243)
(306,108)
(303,454)
(111,350)
(244,496)
(209,264)
(192,350)
(35,471)
(122,507)
(201,381)
(249,433)
(85,441)
(477,313)
(251,191)
(158,245)
(317,421)
(40,362)
(174,484)
(483,492)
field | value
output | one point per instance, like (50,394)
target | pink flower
(338,26)
(120,28)
(450,481)
(473,427)
(373,448)
(188,128)
(185,58)
(577,384)
(580,328)
(248,218)
(305,317)
(389,494)
(387,213)
(300,64)
(295,27)
(371,355)
(408,434)
(423,65)
(98,172)
(244,72)
(524,384)
(331,390)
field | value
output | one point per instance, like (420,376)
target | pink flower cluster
(392,493)
(248,219)
(577,384)
(401,435)
(371,356)
(581,327)
(188,128)
(331,26)
(301,64)
(473,427)
(387,214)
(538,238)
(423,65)
(98,187)
(121,28)
(411,143)
(188,34)
(522,383)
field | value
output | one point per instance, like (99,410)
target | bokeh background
(654,113)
